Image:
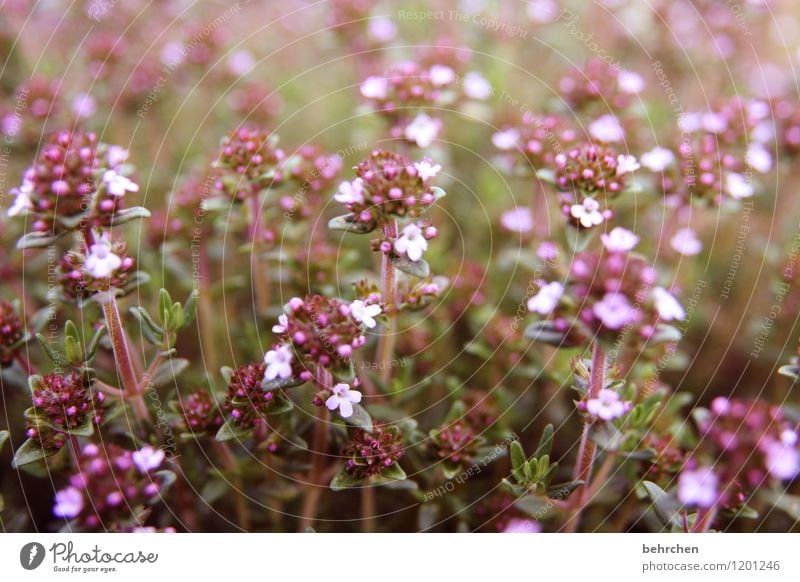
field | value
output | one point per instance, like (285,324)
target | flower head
(615,311)
(422,130)
(69,503)
(658,159)
(619,240)
(365,314)
(519,219)
(545,301)
(411,243)
(279,363)
(117,184)
(626,164)
(101,261)
(343,398)
(667,306)
(370,453)
(587,212)
(427,170)
(685,242)
(606,129)
(698,487)
(607,405)
(147,458)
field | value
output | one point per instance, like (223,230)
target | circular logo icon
(31,555)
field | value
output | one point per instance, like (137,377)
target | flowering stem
(315,481)
(206,315)
(25,363)
(389,291)
(130,385)
(259,267)
(587,448)
(705,518)
(232,468)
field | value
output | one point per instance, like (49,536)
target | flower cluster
(533,142)
(369,454)
(65,401)
(12,333)
(249,159)
(246,401)
(601,83)
(110,486)
(200,414)
(388,186)
(592,169)
(105,268)
(455,443)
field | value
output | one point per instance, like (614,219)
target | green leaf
(190,309)
(438,193)
(54,357)
(229,431)
(30,452)
(790,371)
(665,506)
(164,307)
(545,442)
(561,490)
(393,472)
(227,373)
(533,505)
(276,384)
(37,240)
(344,480)
(545,332)
(546,175)
(147,323)
(418,268)
(91,348)
(346,223)
(665,334)
(168,371)
(129,214)
(280,404)
(359,419)
(86,429)
(790,504)
(517,460)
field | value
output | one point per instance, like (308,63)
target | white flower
(101,262)
(667,306)
(607,405)
(374,88)
(737,186)
(545,301)
(441,75)
(117,184)
(587,212)
(506,139)
(84,105)
(116,155)
(422,130)
(626,164)
(619,240)
(69,503)
(685,242)
(698,487)
(22,201)
(476,86)
(714,122)
(606,129)
(351,192)
(519,219)
(343,398)
(658,159)
(630,82)
(364,313)
(147,458)
(518,525)
(282,325)
(411,243)
(279,363)
(759,158)
(426,170)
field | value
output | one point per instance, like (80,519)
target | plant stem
(587,448)
(386,342)
(232,468)
(207,315)
(25,363)
(122,356)
(704,520)
(259,267)
(315,484)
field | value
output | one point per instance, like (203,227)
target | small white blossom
(374,88)
(84,105)
(607,405)
(282,325)
(759,158)
(737,186)
(69,503)
(101,262)
(690,122)
(22,200)
(667,306)
(587,212)
(545,301)
(714,122)
(630,82)
(426,170)
(698,487)
(422,130)
(615,311)
(619,240)
(351,192)
(506,139)
(518,525)
(411,243)
(626,164)
(343,398)
(117,184)
(279,363)
(147,458)
(607,129)
(441,75)
(241,62)
(658,159)
(685,242)
(381,29)
(116,156)
(364,313)
(476,86)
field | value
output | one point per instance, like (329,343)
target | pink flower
(698,487)
(506,139)
(411,243)
(343,398)
(619,240)
(101,262)
(630,82)
(518,219)
(441,75)
(422,130)
(427,170)
(546,300)
(667,306)
(279,363)
(615,311)
(351,192)
(783,459)
(147,458)
(69,503)
(606,129)
(587,212)
(737,186)
(476,86)
(607,405)
(518,525)
(626,164)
